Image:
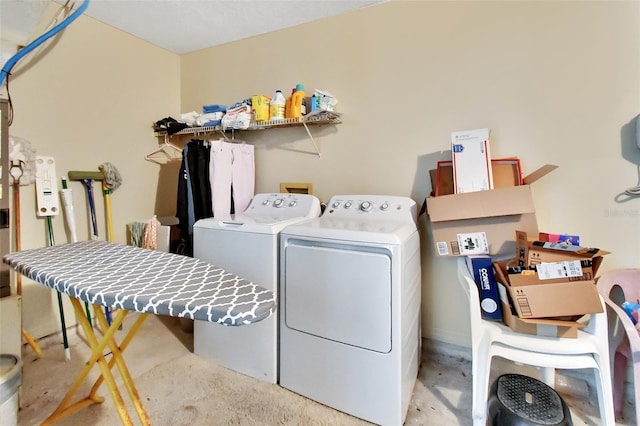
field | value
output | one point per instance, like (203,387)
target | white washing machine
(247,245)
(350,290)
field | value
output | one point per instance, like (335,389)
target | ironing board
(127,278)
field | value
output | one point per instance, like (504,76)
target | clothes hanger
(167,152)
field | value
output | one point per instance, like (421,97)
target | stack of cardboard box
(549,285)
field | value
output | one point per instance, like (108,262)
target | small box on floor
(482,269)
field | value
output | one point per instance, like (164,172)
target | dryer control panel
(371,206)
(283,205)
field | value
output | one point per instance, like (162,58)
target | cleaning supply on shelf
(295,103)
(314,104)
(260,107)
(277,106)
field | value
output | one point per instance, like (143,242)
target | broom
(111,180)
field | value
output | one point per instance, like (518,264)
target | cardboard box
(552,272)
(538,327)
(481,268)
(535,252)
(497,213)
(471,157)
(533,297)
(507,172)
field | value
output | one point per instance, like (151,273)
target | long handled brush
(87,178)
(67,206)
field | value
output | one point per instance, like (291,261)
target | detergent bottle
(296,101)
(277,106)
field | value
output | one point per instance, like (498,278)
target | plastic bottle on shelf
(287,107)
(277,106)
(297,99)
(315,105)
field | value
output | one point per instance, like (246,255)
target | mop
(21,157)
(112,181)
(48,206)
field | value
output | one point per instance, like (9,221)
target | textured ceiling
(182,26)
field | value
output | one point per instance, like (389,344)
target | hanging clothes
(232,173)
(194,192)
(217,179)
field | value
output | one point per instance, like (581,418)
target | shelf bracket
(313,141)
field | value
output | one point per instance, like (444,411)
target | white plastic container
(10,380)
(276,107)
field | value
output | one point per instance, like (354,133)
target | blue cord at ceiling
(6,69)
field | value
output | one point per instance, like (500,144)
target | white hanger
(165,154)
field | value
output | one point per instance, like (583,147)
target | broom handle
(92,209)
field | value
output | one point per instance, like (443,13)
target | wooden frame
(296,187)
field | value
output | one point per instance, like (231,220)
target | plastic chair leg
(605,396)
(480,381)
(619,370)
(548,375)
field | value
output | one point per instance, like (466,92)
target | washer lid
(267,214)
(242,223)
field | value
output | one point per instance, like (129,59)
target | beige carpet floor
(179,388)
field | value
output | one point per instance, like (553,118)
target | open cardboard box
(531,252)
(506,172)
(539,327)
(495,213)
(533,297)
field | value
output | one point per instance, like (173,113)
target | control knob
(365,206)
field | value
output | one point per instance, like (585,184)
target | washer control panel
(283,205)
(378,206)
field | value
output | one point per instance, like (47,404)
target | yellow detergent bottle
(295,102)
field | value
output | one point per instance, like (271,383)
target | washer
(247,245)
(350,290)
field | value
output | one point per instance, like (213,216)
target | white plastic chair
(624,341)
(491,338)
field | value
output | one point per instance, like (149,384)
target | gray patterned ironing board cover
(136,279)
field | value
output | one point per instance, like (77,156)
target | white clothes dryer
(350,290)
(247,245)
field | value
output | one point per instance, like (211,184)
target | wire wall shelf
(316,118)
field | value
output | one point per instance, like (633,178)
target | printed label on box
(473,243)
(569,268)
(483,275)
(443,248)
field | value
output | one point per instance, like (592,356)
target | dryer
(247,245)
(350,290)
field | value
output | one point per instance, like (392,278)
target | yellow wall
(91,99)
(557,82)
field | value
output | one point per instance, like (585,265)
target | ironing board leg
(98,347)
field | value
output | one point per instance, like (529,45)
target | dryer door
(339,292)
